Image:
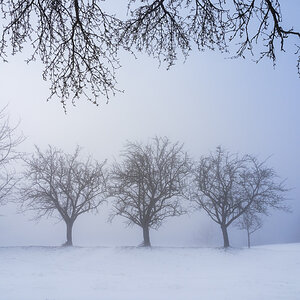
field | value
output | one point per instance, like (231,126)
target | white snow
(127,273)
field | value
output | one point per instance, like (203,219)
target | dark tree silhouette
(78,41)
(227,185)
(251,222)
(60,184)
(149,184)
(9,140)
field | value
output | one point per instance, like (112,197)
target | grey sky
(205,102)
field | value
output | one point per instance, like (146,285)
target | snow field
(127,273)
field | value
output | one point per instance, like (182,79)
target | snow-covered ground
(51,273)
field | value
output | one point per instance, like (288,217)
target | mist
(207,101)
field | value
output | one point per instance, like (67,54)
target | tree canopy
(149,183)
(9,140)
(61,184)
(79,41)
(228,185)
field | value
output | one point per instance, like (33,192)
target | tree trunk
(69,241)
(248,234)
(146,236)
(225,236)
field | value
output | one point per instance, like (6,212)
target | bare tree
(9,140)
(78,41)
(250,222)
(60,184)
(149,183)
(227,185)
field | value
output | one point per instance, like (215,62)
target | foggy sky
(205,102)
